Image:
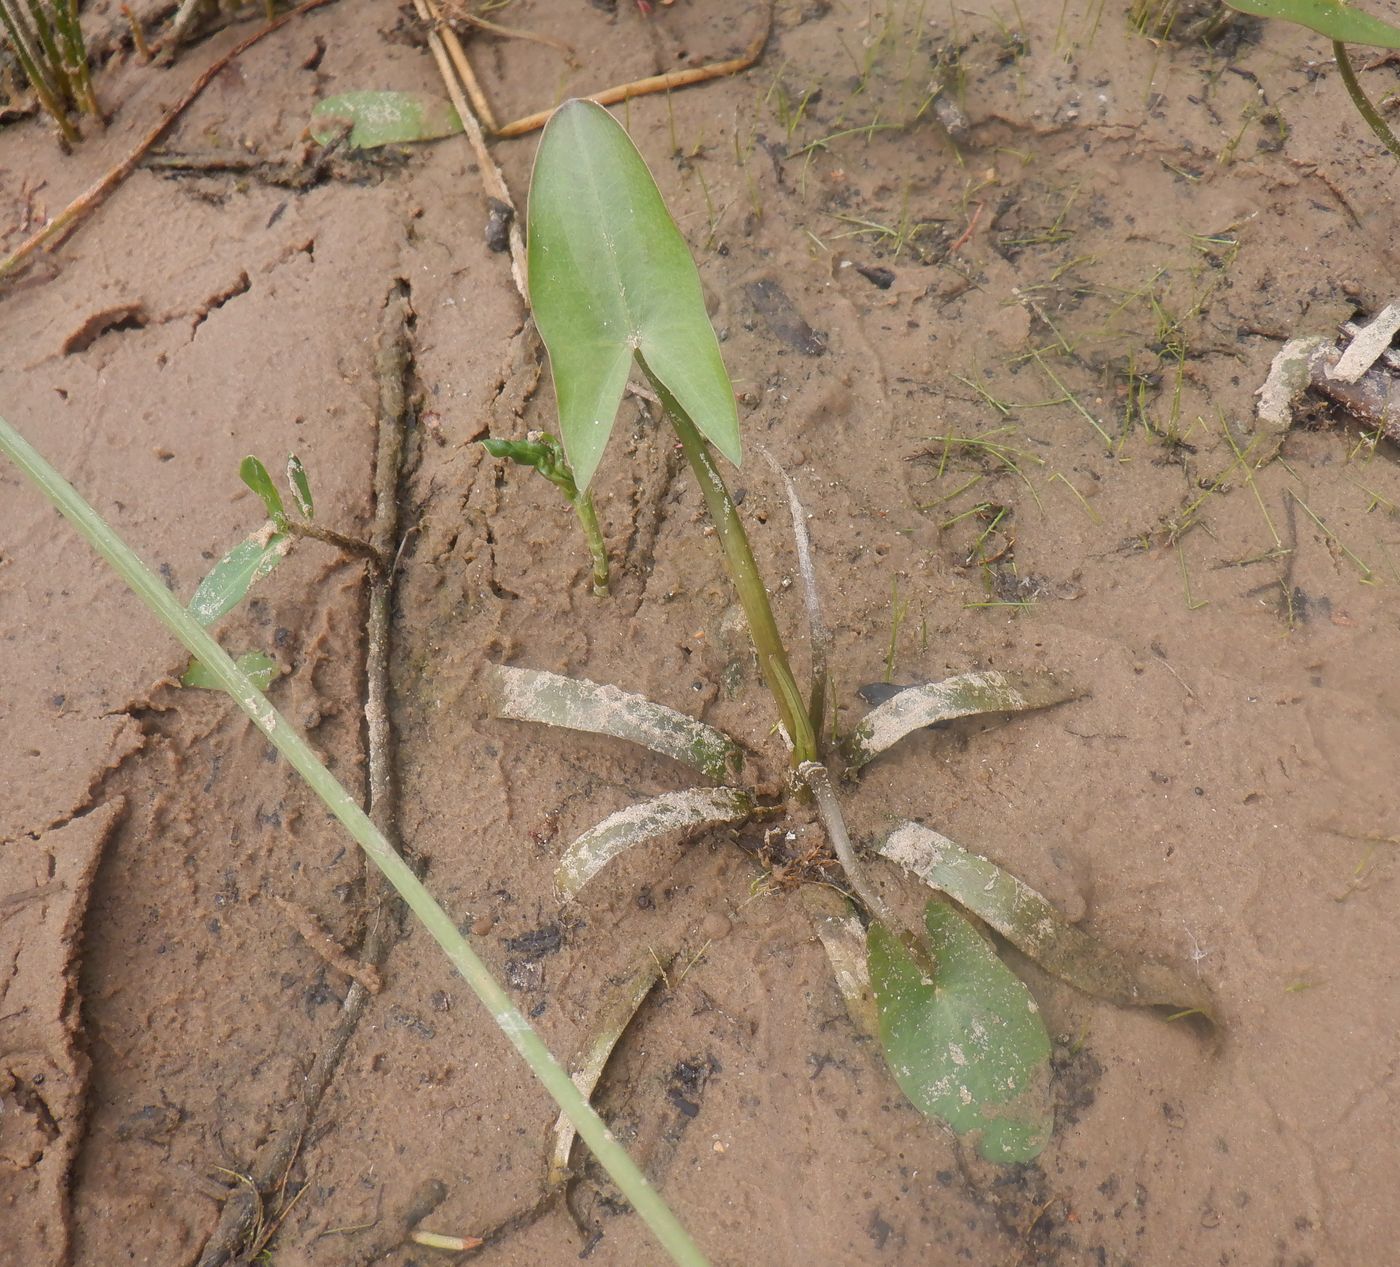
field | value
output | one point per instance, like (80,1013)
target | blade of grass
(508,1018)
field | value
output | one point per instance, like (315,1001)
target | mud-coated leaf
(918,706)
(1031,924)
(963,1037)
(609,1020)
(1327,17)
(577,704)
(383,118)
(230,578)
(254,474)
(301,487)
(259,668)
(844,940)
(611,278)
(635,825)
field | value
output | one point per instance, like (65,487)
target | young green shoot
(545,454)
(614,288)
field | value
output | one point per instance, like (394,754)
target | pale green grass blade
(611,277)
(439,925)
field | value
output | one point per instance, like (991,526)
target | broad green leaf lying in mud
(1031,924)
(261,669)
(672,811)
(1331,18)
(611,278)
(610,1019)
(383,118)
(232,576)
(962,696)
(576,704)
(963,1037)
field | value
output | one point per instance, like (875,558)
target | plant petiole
(753,594)
(1362,102)
(546,455)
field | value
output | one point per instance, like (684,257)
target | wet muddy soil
(1007,344)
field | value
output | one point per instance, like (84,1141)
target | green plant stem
(30,61)
(522,1036)
(763,629)
(1362,102)
(70,30)
(815,775)
(597,547)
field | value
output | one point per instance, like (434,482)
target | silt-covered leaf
(963,1037)
(844,940)
(915,707)
(577,704)
(635,825)
(230,578)
(383,118)
(300,485)
(1327,17)
(259,668)
(611,278)
(1031,924)
(610,1019)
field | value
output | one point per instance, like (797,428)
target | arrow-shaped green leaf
(611,278)
(1326,17)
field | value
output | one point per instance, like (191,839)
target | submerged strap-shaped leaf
(1331,18)
(577,704)
(620,1004)
(918,706)
(672,811)
(963,1037)
(843,938)
(611,278)
(1031,924)
(372,119)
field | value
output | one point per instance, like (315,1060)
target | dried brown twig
(277,1156)
(658,83)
